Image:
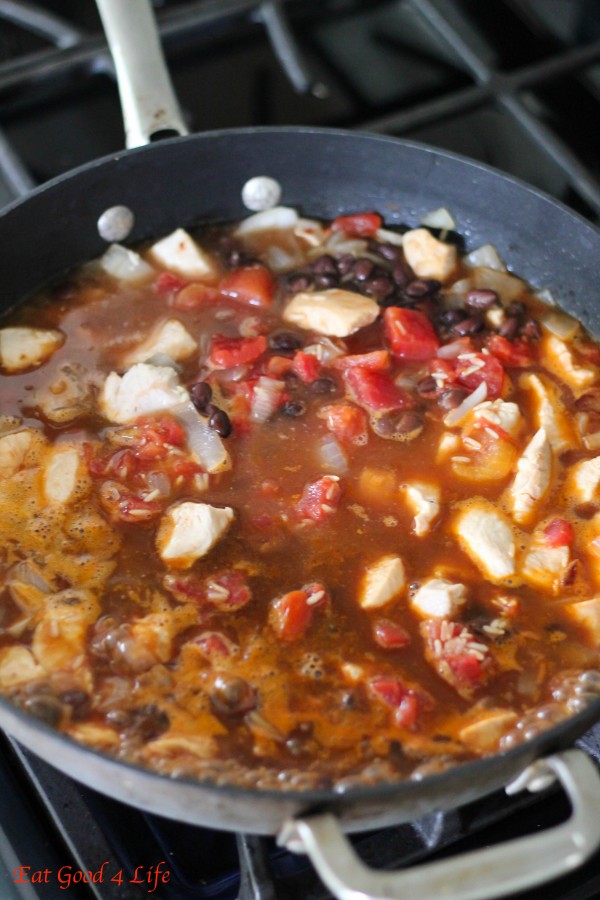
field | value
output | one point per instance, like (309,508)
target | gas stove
(514,84)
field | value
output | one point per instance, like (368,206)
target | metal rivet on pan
(115,223)
(261,193)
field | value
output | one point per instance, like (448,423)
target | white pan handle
(491,872)
(147,98)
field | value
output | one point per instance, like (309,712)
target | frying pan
(189,180)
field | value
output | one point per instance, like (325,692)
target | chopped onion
(159,481)
(469,403)
(205,444)
(161,359)
(486,255)
(266,397)
(439,218)
(546,296)
(27,573)
(325,350)
(560,324)
(311,231)
(276,217)
(331,456)
(451,351)
(388,237)
(125,264)
(279,260)
(507,286)
(250,327)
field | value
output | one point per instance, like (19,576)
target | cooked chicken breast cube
(428,257)
(383,581)
(334,312)
(125,264)
(143,389)
(170,337)
(531,483)
(13,451)
(23,348)
(424,501)
(487,537)
(18,666)
(180,253)
(583,481)
(189,530)
(558,357)
(65,476)
(60,637)
(483,736)
(504,414)
(449,444)
(439,599)
(545,567)
(548,413)
(587,613)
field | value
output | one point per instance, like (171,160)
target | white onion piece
(276,217)
(205,444)
(546,296)
(325,350)
(560,324)
(310,230)
(125,264)
(439,218)
(265,398)
(507,286)
(389,237)
(486,255)
(331,456)
(159,481)
(451,351)
(469,403)
(161,359)
(26,573)
(278,259)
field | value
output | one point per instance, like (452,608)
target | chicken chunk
(424,501)
(170,338)
(548,413)
(334,312)
(17,667)
(65,476)
(438,598)
(483,735)
(23,348)
(189,530)
(383,581)
(143,389)
(67,395)
(544,566)
(487,537)
(428,257)
(532,480)
(502,413)
(558,357)
(583,481)
(180,253)
(13,451)
(60,637)
(125,264)
(587,614)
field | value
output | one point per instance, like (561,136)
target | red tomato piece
(186,588)
(375,361)
(409,333)
(406,714)
(123,505)
(319,499)
(157,436)
(511,353)
(166,284)
(390,635)
(215,646)
(193,296)
(467,669)
(358,224)
(306,366)
(253,285)
(227,591)
(489,369)
(290,615)
(348,423)
(228,352)
(376,391)
(559,533)
(387,688)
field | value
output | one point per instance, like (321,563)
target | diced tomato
(194,296)
(157,436)
(306,366)
(559,533)
(291,615)
(319,499)
(482,422)
(407,711)
(186,588)
(460,658)
(227,591)
(375,361)
(123,464)
(409,333)
(376,391)
(390,635)
(358,224)
(405,701)
(215,646)
(253,285)
(166,284)
(511,353)
(489,370)
(228,352)
(348,423)
(467,669)
(387,688)
(123,505)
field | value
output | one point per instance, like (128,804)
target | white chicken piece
(428,257)
(189,530)
(170,337)
(142,390)
(23,348)
(449,444)
(487,537)
(502,413)
(65,477)
(18,666)
(587,614)
(334,312)
(60,637)
(424,501)
(382,581)
(101,737)
(438,598)
(558,357)
(124,264)
(544,567)
(484,734)
(13,451)
(532,480)
(583,481)
(180,253)
(548,413)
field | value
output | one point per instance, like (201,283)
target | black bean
(345,263)
(79,701)
(323,386)
(400,274)
(232,696)
(297,283)
(325,265)
(509,328)
(380,287)
(468,326)
(294,408)
(324,282)
(481,298)
(516,308)
(531,329)
(397,425)
(118,718)
(389,251)
(427,385)
(285,340)
(452,398)
(201,394)
(45,707)
(148,721)
(220,422)
(422,287)
(362,268)
(451,316)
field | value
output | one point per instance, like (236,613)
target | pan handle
(148,100)
(491,872)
